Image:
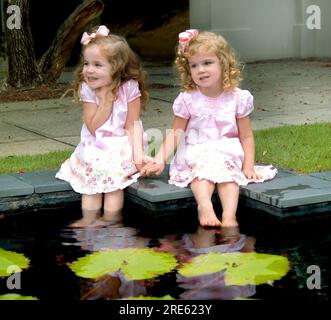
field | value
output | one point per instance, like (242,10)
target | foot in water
(207,216)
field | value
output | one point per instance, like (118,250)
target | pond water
(51,247)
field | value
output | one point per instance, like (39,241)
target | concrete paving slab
(43,181)
(11,134)
(290,191)
(157,189)
(32,147)
(13,187)
(322,175)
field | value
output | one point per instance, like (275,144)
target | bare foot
(207,216)
(112,217)
(229,223)
(82,223)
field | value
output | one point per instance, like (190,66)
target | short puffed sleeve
(86,94)
(244,103)
(181,106)
(132,91)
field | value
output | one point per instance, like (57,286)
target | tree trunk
(22,66)
(55,58)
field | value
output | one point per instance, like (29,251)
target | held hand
(145,160)
(251,174)
(151,169)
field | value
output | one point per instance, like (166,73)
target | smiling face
(96,69)
(206,72)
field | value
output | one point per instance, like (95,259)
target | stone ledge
(288,195)
(12,187)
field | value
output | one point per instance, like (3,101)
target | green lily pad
(134,263)
(167,297)
(11,259)
(14,296)
(240,268)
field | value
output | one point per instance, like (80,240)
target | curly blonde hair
(212,43)
(125,65)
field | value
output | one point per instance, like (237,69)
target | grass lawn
(304,149)
(22,164)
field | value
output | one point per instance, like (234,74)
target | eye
(192,66)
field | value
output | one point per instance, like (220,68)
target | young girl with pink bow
(111,86)
(211,128)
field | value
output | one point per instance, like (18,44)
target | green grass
(304,149)
(27,163)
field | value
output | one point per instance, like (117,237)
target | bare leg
(203,191)
(91,209)
(113,206)
(229,196)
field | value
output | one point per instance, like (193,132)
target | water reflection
(52,248)
(212,286)
(184,247)
(110,234)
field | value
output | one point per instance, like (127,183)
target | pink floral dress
(211,148)
(103,163)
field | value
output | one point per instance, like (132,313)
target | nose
(200,68)
(88,68)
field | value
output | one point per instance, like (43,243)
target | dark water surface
(50,245)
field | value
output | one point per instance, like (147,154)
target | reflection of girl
(212,286)
(114,286)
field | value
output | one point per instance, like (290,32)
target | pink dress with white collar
(211,148)
(103,163)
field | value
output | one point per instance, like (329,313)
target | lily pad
(14,296)
(240,268)
(134,263)
(9,260)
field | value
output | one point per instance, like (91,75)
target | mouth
(91,79)
(204,78)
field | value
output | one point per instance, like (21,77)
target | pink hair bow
(185,37)
(102,31)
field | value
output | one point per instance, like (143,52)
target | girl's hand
(145,160)
(105,94)
(251,174)
(151,169)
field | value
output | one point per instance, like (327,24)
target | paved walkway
(293,92)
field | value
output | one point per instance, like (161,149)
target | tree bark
(22,65)
(53,61)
